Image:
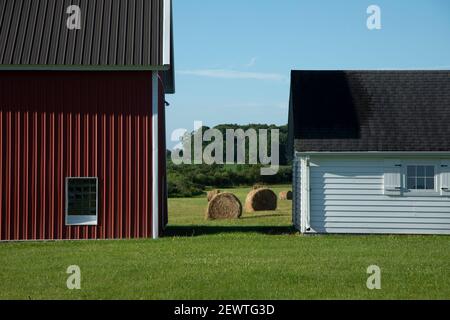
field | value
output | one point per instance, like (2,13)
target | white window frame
(87,220)
(421,193)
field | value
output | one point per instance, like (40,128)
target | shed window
(420,177)
(81,201)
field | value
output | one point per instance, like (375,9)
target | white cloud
(251,63)
(233,74)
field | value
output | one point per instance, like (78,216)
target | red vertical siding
(55,125)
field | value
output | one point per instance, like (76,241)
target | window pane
(411,183)
(411,171)
(82,196)
(420,183)
(421,171)
(430,171)
(430,183)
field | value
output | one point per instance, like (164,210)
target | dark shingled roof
(114,35)
(345,111)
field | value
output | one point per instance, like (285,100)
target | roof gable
(344,111)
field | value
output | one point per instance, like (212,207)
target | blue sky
(233,58)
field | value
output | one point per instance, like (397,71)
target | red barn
(82,120)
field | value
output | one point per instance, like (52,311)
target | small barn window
(420,177)
(81,201)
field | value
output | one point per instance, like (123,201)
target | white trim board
(155,155)
(167,32)
(375,153)
(305,214)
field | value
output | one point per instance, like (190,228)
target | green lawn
(256,257)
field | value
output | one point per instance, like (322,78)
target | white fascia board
(375,153)
(167,32)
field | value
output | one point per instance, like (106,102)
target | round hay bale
(224,206)
(211,194)
(285,195)
(261,200)
(259,185)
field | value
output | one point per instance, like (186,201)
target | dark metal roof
(345,111)
(117,33)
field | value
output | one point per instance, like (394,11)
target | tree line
(191,180)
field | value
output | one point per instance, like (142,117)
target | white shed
(371,151)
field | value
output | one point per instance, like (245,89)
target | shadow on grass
(260,216)
(198,230)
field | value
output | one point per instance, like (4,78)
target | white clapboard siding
(350,196)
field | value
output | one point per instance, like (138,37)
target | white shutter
(392,177)
(445,178)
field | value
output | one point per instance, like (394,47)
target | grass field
(256,257)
